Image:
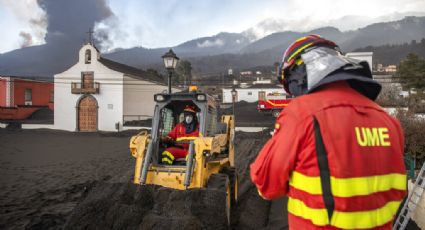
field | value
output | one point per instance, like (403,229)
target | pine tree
(183,74)
(411,72)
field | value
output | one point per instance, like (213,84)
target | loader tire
(220,181)
(234,183)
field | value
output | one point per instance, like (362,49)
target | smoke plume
(26,39)
(28,24)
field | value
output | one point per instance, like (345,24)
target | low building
(383,78)
(100,94)
(245,73)
(20,97)
(230,72)
(390,69)
(363,56)
(262,81)
(250,93)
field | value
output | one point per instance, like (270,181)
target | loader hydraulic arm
(138,145)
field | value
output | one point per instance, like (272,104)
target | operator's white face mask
(188,119)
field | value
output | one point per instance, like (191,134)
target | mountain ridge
(236,50)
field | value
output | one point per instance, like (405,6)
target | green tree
(411,72)
(155,73)
(183,73)
(414,135)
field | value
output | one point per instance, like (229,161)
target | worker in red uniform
(336,154)
(184,131)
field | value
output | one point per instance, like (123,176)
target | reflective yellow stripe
(299,50)
(259,193)
(345,220)
(168,154)
(167,161)
(300,39)
(348,187)
(185,138)
(276,104)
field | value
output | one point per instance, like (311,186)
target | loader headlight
(159,97)
(262,106)
(201,97)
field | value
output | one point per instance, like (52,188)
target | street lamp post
(233,99)
(170,62)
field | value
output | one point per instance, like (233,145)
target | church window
(88,56)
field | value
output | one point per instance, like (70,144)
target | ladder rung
(414,196)
(412,206)
(411,203)
(418,194)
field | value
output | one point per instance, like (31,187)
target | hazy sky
(161,23)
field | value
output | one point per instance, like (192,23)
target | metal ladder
(411,201)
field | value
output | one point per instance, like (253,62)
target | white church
(98,94)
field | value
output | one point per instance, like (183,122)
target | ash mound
(129,206)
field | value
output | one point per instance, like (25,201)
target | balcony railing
(78,88)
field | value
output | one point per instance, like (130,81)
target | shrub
(414,134)
(390,96)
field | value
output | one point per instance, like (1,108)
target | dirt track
(45,174)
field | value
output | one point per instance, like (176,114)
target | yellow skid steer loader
(210,160)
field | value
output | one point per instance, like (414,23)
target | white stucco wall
(111,88)
(243,94)
(139,97)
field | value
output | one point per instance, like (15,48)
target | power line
(136,82)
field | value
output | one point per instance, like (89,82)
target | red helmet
(292,55)
(189,109)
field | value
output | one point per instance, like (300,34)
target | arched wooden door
(87,114)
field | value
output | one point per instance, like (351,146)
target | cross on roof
(90,33)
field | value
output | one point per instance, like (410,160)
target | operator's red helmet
(190,109)
(291,57)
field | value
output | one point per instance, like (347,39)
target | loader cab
(169,112)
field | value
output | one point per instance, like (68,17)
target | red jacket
(179,133)
(364,148)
